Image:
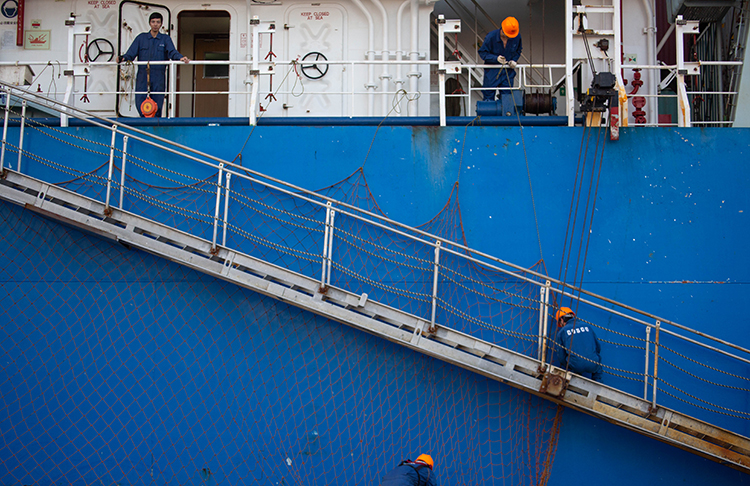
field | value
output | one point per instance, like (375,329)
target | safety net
(119,367)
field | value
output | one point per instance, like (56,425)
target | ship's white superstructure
(376,57)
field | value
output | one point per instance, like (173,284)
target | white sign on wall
(36,39)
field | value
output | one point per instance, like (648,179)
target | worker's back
(409,474)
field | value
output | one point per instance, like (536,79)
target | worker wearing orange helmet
(412,473)
(501,47)
(576,347)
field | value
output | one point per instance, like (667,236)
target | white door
(316,33)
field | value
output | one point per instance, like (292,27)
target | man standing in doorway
(152,46)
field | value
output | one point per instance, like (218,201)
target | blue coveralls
(148,48)
(577,347)
(409,474)
(503,77)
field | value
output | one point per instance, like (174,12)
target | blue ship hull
(115,360)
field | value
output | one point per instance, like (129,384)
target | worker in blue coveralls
(503,47)
(576,346)
(408,473)
(152,46)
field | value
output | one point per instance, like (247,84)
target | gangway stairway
(359,311)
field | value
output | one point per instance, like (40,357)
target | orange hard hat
(427,459)
(562,312)
(510,27)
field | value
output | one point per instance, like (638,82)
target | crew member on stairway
(501,47)
(576,346)
(152,46)
(408,473)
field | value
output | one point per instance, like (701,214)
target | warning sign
(36,39)
(315,15)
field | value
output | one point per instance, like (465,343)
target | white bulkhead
(306,33)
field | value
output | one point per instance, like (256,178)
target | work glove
(501,59)
(512,64)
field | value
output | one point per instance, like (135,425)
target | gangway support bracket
(555,382)
(418,331)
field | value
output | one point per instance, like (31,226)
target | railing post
(330,248)
(543,318)
(110,168)
(645,373)
(255,70)
(172,111)
(540,356)
(435,275)
(325,245)
(122,170)
(351,88)
(441,68)
(683,27)
(570,103)
(5,128)
(656,363)
(20,138)
(226,210)
(445,27)
(69,73)
(216,209)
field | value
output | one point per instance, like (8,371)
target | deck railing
(398,98)
(390,97)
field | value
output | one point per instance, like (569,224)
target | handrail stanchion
(172,111)
(226,210)
(684,27)
(469,74)
(330,248)
(5,128)
(540,356)
(544,318)
(656,363)
(20,138)
(69,72)
(645,373)
(107,209)
(122,170)
(216,209)
(325,245)
(435,275)
(445,28)
(441,91)
(351,87)
(255,69)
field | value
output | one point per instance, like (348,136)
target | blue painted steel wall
(668,237)
(672,203)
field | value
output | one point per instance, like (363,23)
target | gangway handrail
(294,190)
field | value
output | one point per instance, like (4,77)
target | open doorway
(133,20)
(204,35)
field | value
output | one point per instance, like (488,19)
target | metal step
(362,313)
